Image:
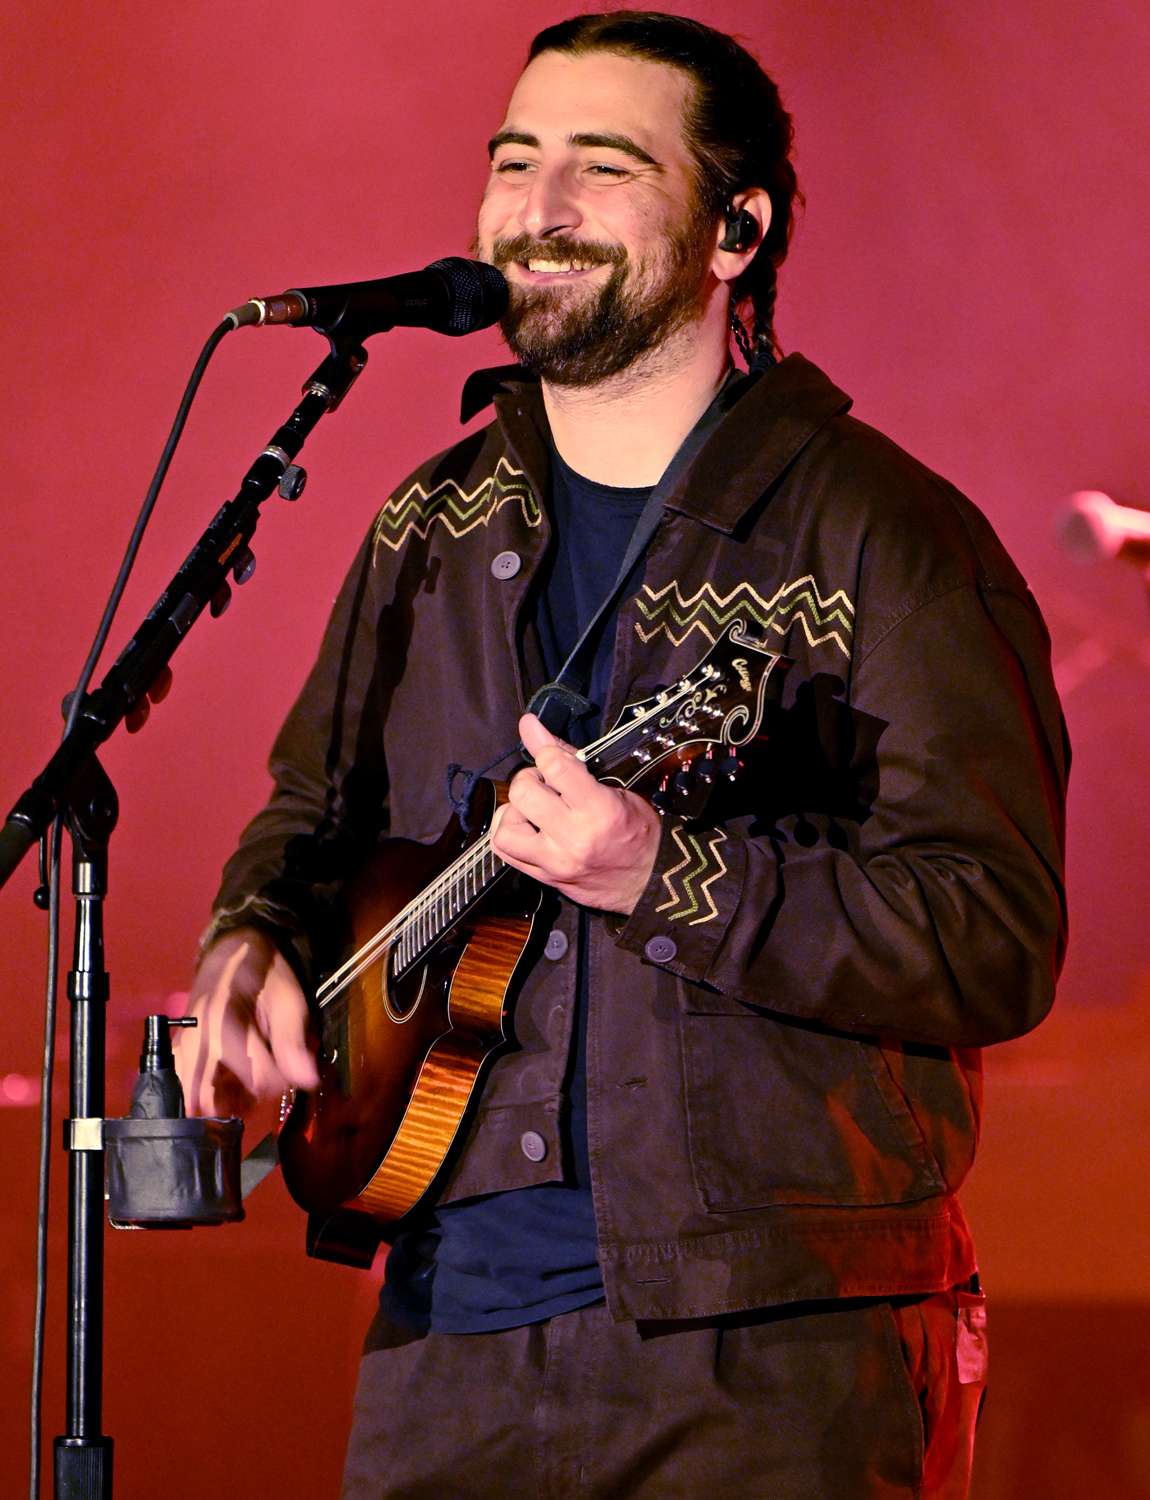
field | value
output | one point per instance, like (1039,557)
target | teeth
(558,267)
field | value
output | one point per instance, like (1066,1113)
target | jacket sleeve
(938,916)
(329,799)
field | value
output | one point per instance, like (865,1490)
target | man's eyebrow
(607,140)
(510,138)
(613,142)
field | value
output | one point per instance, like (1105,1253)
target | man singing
(700,1234)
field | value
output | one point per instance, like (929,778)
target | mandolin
(441,933)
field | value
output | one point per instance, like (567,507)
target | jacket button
(506,564)
(533,1146)
(660,950)
(556,945)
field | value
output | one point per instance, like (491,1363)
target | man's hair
(737,129)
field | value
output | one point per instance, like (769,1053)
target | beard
(571,338)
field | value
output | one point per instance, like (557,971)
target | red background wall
(971,266)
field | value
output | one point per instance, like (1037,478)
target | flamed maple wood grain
(446,1081)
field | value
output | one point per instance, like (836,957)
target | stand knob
(292,482)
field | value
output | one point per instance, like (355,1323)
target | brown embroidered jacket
(783,1068)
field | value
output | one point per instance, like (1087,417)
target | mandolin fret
(437,908)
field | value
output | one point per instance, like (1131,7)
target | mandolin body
(400,1052)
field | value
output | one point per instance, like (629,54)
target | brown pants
(840,1401)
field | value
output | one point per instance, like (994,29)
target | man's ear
(745,221)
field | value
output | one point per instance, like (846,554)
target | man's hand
(251,1041)
(595,844)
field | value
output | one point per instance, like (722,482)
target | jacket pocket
(782,1113)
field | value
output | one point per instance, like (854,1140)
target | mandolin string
(453,875)
(399,924)
(457,872)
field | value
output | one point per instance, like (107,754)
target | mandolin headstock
(718,704)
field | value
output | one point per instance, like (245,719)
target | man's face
(592,214)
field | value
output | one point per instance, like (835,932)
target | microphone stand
(74,786)
(202,582)
(83,1455)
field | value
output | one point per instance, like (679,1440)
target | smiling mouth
(538,266)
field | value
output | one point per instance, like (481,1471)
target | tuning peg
(661,799)
(684,781)
(730,766)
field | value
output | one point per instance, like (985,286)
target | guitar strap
(571,680)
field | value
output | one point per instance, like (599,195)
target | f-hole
(395,991)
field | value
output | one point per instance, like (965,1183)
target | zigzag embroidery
(699,857)
(459,510)
(709,612)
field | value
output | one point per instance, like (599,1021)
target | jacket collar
(770,418)
(483,387)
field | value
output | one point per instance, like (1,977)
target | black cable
(75,704)
(142,520)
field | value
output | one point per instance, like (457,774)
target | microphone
(1093,526)
(452,296)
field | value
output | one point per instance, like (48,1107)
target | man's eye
(511,166)
(604,169)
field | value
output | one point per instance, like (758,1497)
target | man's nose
(551,205)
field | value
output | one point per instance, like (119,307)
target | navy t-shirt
(518,1257)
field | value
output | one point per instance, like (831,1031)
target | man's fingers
(529,795)
(518,841)
(509,826)
(235,1045)
(283,1014)
(189,1064)
(536,736)
(558,763)
(244,1072)
(251,1040)
(229,1096)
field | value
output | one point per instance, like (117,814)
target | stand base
(83,1468)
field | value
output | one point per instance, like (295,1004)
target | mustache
(524,247)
